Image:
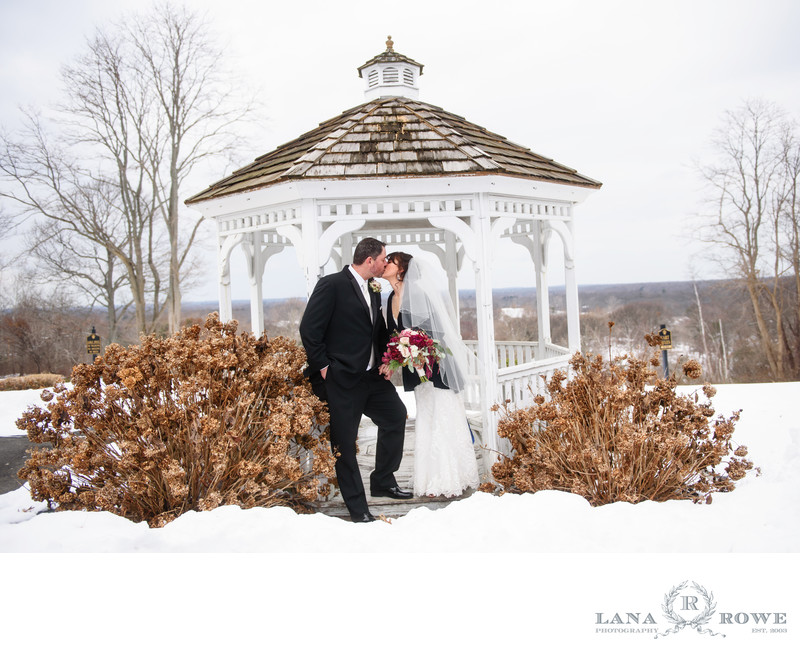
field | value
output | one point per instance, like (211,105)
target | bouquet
(415,350)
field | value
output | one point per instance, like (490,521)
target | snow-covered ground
(469,551)
(761,515)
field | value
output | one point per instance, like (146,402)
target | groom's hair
(369,247)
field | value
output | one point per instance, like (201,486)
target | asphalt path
(12,458)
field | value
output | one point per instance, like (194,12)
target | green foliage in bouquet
(617,432)
(203,418)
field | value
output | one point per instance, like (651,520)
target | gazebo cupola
(390,74)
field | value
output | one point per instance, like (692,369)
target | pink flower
(413,349)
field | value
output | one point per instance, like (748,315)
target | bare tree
(749,193)
(196,111)
(790,231)
(146,102)
(6,224)
(85,266)
(82,204)
(107,114)
(632,321)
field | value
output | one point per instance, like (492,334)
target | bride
(444,457)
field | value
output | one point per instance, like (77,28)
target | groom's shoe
(395,492)
(362,517)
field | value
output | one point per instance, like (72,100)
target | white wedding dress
(444,456)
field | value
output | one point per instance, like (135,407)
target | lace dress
(444,456)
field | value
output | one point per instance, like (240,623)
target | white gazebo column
(310,230)
(225,299)
(540,241)
(487,353)
(451,267)
(347,247)
(225,246)
(571,288)
(255,273)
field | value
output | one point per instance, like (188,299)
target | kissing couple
(345,336)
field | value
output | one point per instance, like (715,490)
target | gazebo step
(386,507)
(334,506)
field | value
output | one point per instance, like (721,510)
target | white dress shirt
(365,291)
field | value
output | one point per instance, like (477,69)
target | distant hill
(592,297)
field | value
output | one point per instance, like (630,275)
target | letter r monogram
(689,603)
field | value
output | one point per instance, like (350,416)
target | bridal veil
(427,305)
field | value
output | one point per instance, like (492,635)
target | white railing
(553,350)
(520,384)
(522,372)
(516,353)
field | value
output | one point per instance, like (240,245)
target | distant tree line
(711,321)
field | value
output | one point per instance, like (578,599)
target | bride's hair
(401,260)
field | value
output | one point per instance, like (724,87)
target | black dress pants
(376,398)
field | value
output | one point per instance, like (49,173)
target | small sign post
(93,344)
(666,344)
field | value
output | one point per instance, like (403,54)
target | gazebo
(409,173)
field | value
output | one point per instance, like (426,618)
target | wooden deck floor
(385,506)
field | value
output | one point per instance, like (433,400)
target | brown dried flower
(692,369)
(202,418)
(616,432)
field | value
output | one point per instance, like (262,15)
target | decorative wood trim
(226,245)
(263,221)
(462,231)
(566,238)
(537,209)
(501,225)
(295,236)
(332,234)
(395,207)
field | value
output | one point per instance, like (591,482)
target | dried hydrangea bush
(203,418)
(35,381)
(617,432)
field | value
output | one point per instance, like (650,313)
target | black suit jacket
(336,330)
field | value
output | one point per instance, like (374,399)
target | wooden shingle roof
(396,137)
(390,56)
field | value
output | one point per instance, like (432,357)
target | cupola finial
(389,44)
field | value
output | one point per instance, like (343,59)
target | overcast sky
(627,92)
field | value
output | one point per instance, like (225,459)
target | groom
(344,334)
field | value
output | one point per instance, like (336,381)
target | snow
(513,312)
(479,536)
(12,404)
(761,515)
